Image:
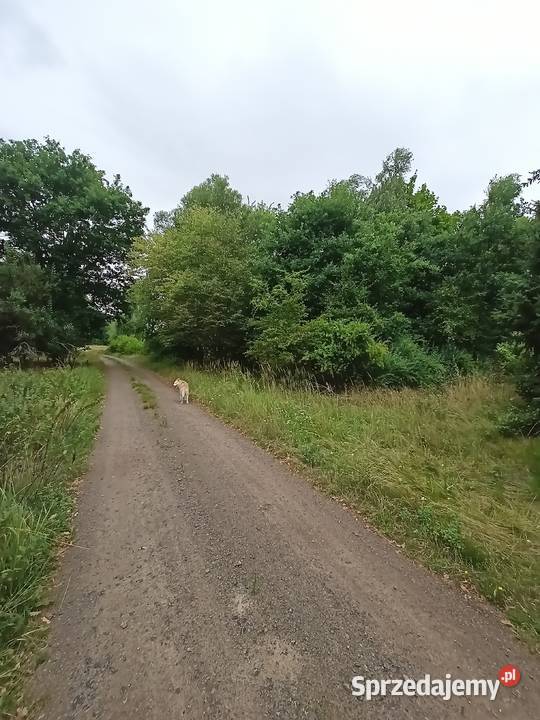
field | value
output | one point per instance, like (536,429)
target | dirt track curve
(208,581)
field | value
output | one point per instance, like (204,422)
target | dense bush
(409,364)
(341,350)
(126,345)
(529,324)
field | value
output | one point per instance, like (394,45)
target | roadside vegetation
(428,468)
(48,420)
(65,234)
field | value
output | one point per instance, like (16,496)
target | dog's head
(177,382)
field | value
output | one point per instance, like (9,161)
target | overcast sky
(279,95)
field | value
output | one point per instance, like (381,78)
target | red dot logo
(509,675)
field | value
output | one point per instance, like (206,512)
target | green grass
(427,468)
(147,394)
(48,420)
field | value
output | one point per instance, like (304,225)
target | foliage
(408,364)
(370,281)
(341,350)
(194,298)
(215,193)
(48,421)
(74,223)
(126,345)
(28,324)
(524,417)
(278,330)
(334,350)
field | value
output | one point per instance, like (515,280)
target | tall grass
(48,419)
(426,467)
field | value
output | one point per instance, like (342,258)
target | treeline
(371,281)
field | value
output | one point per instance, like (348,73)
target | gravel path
(208,581)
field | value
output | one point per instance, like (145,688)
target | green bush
(511,357)
(409,364)
(341,350)
(126,345)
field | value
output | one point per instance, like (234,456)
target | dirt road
(208,581)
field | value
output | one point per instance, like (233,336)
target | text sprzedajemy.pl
(444,688)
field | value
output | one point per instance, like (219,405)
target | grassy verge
(48,420)
(427,468)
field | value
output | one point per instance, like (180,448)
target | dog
(183,389)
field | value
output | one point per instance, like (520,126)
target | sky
(282,96)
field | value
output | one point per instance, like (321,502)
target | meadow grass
(48,419)
(428,468)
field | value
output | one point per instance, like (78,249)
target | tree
(195,294)
(528,420)
(163,220)
(369,280)
(484,261)
(215,192)
(74,223)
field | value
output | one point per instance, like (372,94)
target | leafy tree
(195,295)
(28,324)
(485,261)
(332,350)
(74,223)
(216,193)
(281,314)
(527,419)
(163,220)
(311,238)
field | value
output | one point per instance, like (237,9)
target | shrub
(278,330)
(511,357)
(126,345)
(409,364)
(341,350)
